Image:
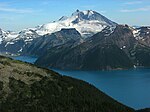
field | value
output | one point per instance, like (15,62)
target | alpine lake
(130,87)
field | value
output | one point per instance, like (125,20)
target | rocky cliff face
(27,88)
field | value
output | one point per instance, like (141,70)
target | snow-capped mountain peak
(87,13)
(141,33)
(7,35)
(86,22)
(63,18)
(90,15)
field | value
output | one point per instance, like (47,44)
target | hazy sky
(19,14)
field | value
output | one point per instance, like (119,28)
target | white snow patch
(124,47)
(20,50)
(0,40)
(9,43)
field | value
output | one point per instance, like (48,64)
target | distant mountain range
(87,23)
(85,40)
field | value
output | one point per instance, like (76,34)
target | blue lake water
(25,58)
(130,87)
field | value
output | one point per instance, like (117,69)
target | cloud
(133,2)
(136,10)
(6,9)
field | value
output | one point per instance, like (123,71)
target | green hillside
(27,88)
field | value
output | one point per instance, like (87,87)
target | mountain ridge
(106,50)
(87,23)
(130,43)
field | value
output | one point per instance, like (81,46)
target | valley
(72,43)
(27,88)
(131,87)
(87,46)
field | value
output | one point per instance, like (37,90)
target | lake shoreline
(118,84)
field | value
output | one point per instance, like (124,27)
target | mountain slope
(14,43)
(105,50)
(7,35)
(87,23)
(109,49)
(141,55)
(142,34)
(44,43)
(144,110)
(26,88)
